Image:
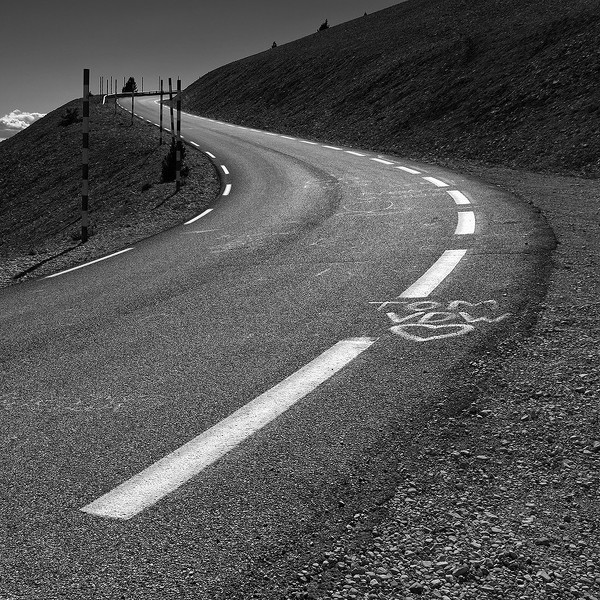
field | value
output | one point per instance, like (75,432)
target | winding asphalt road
(337,291)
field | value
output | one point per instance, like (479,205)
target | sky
(45,45)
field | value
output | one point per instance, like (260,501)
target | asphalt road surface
(197,416)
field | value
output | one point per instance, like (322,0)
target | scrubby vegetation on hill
(501,81)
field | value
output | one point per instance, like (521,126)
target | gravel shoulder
(499,494)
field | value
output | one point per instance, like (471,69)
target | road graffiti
(429,320)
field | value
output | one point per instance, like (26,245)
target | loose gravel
(500,500)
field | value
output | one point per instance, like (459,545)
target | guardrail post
(178,150)
(171,111)
(85,157)
(161,112)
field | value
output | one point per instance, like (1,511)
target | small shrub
(70,116)
(169,163)
(274,45)
(324,26)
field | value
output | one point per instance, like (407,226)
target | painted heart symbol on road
(426,332)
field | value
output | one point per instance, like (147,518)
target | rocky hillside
(509,82)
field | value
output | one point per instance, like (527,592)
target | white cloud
(18,119)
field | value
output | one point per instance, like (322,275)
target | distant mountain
(502,81)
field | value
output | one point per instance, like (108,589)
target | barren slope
(502,81)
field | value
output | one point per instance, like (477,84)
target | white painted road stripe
(458,197)
(435,181)
(466,223)
(194,144)
(287,137)
(89,263)
(172,471)
(440,269)
(354,153)
(411,171)
(225,169)
(332,147)
(227,190)
(383,162)
(199,216)
(211,155)
(307,142)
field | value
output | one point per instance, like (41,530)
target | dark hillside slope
(513,82)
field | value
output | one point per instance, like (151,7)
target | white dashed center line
(466,223)
(332,147)
(307,142)
(383,162)
(458,197)
(435,181)
(194,144)
(411,171)
(211,155)
(89,263)
(225,169)
(208,210)
(287,137)
(169,473)
(227,190)
(354,153)
(440,269)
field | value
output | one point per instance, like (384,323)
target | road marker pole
(132,103)
(171,111)
(161,111)
(142,85)
(85,157)
(178,150)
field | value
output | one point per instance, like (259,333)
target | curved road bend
(350,271)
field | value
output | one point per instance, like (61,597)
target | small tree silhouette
(130,86)
(324,26)
(274,45)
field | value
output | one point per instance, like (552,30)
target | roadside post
(132,103)
(85,157)
(161,112)
(178,150)
(171,111)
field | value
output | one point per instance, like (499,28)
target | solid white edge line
(225,169)
(458,197)
(466,223)
(210,154)
(383,162)
(287,137)
(227,190)
(440,269)
(88,263)
(408,170)
(435,181)
(208,210)
(172,471)
(354,153)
